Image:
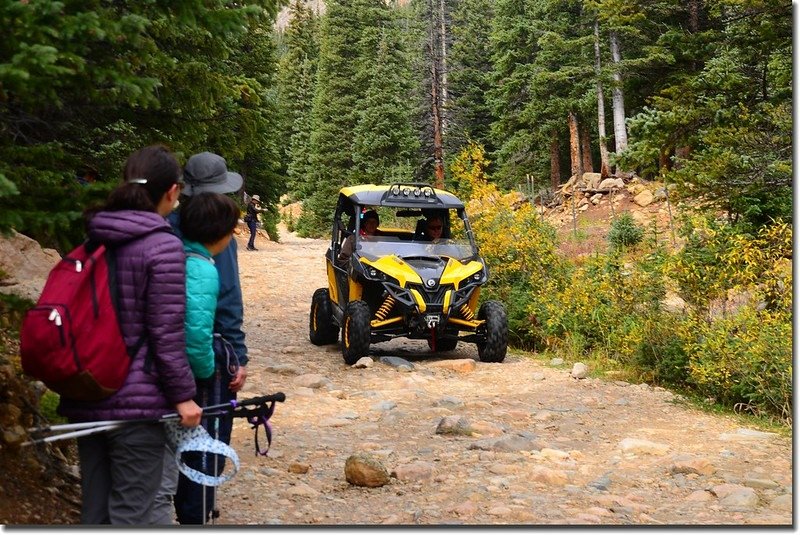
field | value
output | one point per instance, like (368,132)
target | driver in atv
(434,226)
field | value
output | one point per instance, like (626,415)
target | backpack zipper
(55,317)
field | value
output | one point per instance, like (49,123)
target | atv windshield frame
(410,202)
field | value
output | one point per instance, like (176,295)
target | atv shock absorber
(466,312)
(385,308)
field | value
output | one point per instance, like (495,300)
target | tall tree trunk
(601,105)
(575,147)
(586,150)
(438,159)
(664,162)
(443,69)
(436,95)
(694,27)
(555,161)
(577,164)
(618,98)
(694,16)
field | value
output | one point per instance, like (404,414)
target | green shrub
(625,232)
(743,359)
(662,353)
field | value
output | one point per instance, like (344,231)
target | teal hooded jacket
(202,291)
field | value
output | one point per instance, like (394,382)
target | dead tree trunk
(618,98)
(575,147)
(577,165)
(586,150)
(443,45)
(601,105)
(436,97)
(438,159)
(555,161)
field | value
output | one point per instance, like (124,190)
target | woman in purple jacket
(121,469)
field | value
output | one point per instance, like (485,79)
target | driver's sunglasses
(439,227)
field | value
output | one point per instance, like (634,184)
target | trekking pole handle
(232,404)
(277,396)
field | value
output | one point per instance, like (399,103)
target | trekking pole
(234,408)
(73,434)
(217,398)
(204,462)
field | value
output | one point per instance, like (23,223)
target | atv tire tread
(321,328)
(355,331)
(494,348)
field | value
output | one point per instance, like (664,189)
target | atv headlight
(479,277)
(374,274)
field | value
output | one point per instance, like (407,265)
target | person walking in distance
(121,469)
(251,218)
(208,172)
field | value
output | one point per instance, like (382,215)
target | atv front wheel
(355,331)
(321,328)
(495,328)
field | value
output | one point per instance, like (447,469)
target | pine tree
(86,83)
(296,79)
(469,79)
(349,39)
(731,114)
(385,145)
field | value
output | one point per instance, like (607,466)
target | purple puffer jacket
(152,301)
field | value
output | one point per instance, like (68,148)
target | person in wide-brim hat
(209,172)
(190,502)
(251,218)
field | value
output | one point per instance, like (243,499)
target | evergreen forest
(473,96)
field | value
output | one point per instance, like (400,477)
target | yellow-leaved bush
(739,345)
(732,342)
(518,247)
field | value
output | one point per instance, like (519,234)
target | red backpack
(71,340)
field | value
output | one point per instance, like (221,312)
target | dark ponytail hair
(149,173)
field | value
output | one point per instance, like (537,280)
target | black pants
(189,496)
(252,226)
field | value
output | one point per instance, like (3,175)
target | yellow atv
(399,282)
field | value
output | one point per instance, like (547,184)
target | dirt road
(541,447)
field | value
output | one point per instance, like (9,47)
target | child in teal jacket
(207,224)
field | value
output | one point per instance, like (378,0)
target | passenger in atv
(369,227)
(430,229)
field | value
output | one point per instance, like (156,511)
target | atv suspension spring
(466,312)
(385,308)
